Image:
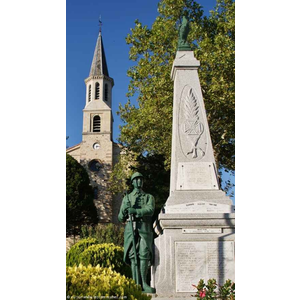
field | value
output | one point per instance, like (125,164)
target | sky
(82,27)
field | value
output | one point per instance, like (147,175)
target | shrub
(104,233)
(96,281)
(105,255)
(227,291)
(75,250)
(212,291)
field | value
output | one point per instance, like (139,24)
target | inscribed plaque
(196,176)
(203,260)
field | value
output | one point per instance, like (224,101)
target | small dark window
(106,92)
(96,124)
(90,92)
(97,90)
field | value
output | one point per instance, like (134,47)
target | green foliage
(105,255)
(211,287)
(74,252)
(104,233)
(211,291)
(79,197)
(227,291)
(89,252)
(216,53)
(147,128)
(96,281)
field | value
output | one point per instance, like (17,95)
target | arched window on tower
(90,92)
(97,90)
(96,124)
(106,92)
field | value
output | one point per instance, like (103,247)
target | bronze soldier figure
(139,207)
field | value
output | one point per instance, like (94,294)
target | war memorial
(197,226)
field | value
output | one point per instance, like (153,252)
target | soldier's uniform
(142,223)
(143,205)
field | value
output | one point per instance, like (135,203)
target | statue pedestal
(192,247)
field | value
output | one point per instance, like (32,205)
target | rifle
(134,249)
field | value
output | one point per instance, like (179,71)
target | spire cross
(100,24)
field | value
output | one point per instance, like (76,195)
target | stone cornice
(96,133)
(208,219)
(98,110)
(99,77)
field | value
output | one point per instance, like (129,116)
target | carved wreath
(193,128)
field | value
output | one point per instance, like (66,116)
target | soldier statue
(137,209)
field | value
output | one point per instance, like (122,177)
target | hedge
(105,255)
(101,282)
(77,249)
(104,233)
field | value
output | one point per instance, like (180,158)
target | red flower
(202,293)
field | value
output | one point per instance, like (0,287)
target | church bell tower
(96,149)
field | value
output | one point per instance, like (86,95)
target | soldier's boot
(133,270)
(144,271)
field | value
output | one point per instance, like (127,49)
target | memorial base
(192,247)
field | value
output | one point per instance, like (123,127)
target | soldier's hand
(131,211)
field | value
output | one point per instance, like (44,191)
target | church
(97,152)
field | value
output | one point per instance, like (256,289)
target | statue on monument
(184,30)
(137,209)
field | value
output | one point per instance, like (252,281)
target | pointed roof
(99,65)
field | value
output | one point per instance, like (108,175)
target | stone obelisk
(196,226)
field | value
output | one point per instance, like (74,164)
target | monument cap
(135,175)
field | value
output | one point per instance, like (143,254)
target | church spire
(99,65)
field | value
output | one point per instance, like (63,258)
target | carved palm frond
(191,111)
(192,125)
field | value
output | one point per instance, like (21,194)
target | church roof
(99,65)
(73,147)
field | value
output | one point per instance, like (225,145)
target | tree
(216,53)
(147,128)
(80,206)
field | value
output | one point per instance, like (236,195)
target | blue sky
(82,30)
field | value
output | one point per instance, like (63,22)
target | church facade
(97,152)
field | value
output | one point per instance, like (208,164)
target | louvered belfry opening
(96,124)
(90,92)
(97,90)
(106,92)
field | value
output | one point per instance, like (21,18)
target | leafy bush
(227,291)
(212,291)
(105,255)
(104,233)
(96,281)
(75,250)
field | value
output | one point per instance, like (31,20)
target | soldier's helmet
(135,175)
